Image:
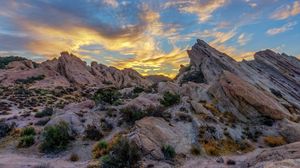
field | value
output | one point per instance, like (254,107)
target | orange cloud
(203,9)
(287,11)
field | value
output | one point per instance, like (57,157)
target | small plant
(131,114)
(195,150)
(55,138)
(273,141)
(170,99)
(74,157)
(123,154)
(168,151)
(107,95)
(93,133)
(27,137)
(46,112)
(28,131)
(26,141)
(100,149)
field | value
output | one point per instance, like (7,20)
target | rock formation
(217,112)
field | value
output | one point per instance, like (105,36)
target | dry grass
(225,146)
(273,141)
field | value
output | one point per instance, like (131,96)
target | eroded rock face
(152,133)
(242,94)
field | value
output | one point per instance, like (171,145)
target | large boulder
(152,133)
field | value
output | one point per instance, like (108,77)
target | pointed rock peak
(264,53)
(202,43)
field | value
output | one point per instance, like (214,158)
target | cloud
(251,3)
(112,3)
(137,43)
(282,29)
(202,8)
(243,39)
(286,11)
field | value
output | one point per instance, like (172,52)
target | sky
(151,36)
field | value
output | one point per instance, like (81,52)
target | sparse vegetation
(168,151)
(225,146)
(170,99)
(30,80)
(55,138)
(274,141)
(107,95)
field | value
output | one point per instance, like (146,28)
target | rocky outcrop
(70,70)
(206,64)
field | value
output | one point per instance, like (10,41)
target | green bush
(131,114)
(124,154)
(170,99)
(55,138)
(168,151)
(46,112)
(26,141)
(107,95)
(28,131)
(27,137)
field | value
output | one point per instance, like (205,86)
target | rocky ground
(216,113)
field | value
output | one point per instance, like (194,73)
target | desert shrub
(55,138)
(195,150)
(48,111)
(101,149)
(168,151)
(138,90)
(107,95)
(170,99)
(74,157)
(26,137)
(93,133)
(30,80)
(273,141)
(124,154)
(6,60)
(26,141)
(28,131)
(132,113)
